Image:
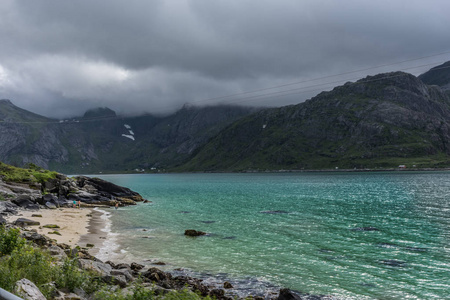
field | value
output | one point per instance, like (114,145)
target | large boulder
(26,202)
(287,294)
(47,198)
(100,268)
(28,290)
(38,239)
(50,205)
(57,252)
(26,222)
(52,185)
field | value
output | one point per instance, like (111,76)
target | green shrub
(19,260)
(70,276)
(10,240)
(27,262)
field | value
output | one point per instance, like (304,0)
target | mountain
(379,121)
(101,141)
(439,75)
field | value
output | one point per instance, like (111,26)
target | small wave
(110,246)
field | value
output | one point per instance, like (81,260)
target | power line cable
(320,78)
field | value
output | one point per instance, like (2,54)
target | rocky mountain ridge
(380,121)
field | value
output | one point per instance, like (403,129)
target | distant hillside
(379,121)
(100,141)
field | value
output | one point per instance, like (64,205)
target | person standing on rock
(79,204)
(74,204)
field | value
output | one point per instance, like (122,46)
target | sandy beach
(76,226)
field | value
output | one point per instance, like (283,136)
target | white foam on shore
(110,246)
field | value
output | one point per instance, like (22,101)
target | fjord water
(350,235)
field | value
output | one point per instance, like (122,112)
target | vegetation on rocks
(30,174)
(20,259)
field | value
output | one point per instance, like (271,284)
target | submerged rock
(369,228)
(416,249)
(193,232)
(274,212)
(393,263)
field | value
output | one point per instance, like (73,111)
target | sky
(60,58)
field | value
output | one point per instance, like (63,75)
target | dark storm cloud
(62,57)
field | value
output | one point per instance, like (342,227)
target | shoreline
(96,230)
(369,170)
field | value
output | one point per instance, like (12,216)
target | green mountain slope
(379,121)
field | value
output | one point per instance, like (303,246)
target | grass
(31,174)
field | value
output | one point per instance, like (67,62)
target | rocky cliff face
(379,121)
(102,141)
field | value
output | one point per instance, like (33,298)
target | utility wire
(321,78)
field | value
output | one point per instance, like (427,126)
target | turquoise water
(314,243)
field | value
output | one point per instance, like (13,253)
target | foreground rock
(23,222)
(28,290)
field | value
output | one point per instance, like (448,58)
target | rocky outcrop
(62,191)
(107,189)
